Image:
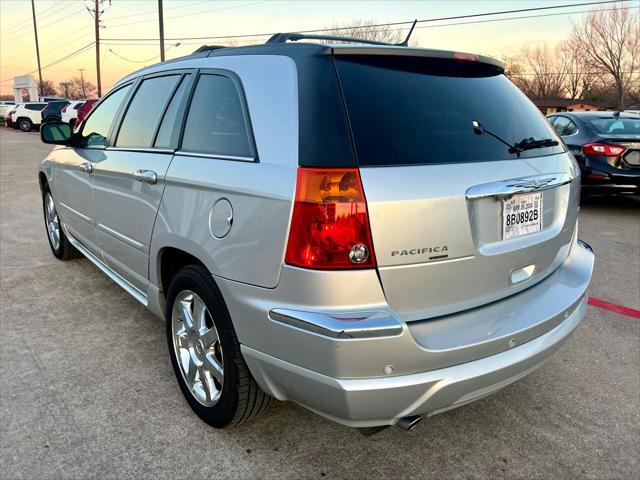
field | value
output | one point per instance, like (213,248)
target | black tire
(241,398)
(25,125)
(64,250)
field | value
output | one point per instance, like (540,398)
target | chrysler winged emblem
(535,183)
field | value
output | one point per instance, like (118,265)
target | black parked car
(52,112)
(606,146)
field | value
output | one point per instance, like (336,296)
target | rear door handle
(146,176)
(86,167)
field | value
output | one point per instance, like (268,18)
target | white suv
(27,115)
(69,113)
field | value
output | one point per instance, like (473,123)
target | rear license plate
(521,214)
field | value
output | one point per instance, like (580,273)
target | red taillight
(330,225)
(64,109)
(602,149)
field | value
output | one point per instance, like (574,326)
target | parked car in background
(5,108)
(28,115)
(53,111)
(69,113)
(84,110)
(8,120)
(607,148)
(239,194)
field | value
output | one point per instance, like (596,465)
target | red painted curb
(629,312)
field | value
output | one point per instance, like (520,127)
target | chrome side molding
(342,326)
(507,188)
(126,286)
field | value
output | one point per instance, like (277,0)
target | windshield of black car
(615,125)
(416,110)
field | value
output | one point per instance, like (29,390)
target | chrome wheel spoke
(199,314)
(209,338)
(215,367)
(208,386)
(191,372)
(185,308)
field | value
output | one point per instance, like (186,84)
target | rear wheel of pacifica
(205,352)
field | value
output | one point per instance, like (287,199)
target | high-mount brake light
(465,57)
(603,149)
(330,224)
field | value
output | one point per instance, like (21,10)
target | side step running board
(126,286)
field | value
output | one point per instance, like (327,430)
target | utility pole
(84,92)
(161,22)
(95,13)
(66,86)
(35,30)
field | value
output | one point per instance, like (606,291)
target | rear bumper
(615,181)
(375,371)
(369,402)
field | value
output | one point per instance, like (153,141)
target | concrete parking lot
(87,389)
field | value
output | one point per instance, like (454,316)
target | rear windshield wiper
(519,147)
(531,144)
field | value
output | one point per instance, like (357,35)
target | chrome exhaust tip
(409,423)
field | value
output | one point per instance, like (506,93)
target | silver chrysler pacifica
(376,232)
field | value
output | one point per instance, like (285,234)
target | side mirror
(57,133)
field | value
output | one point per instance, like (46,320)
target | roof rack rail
(284,37)
(207,48)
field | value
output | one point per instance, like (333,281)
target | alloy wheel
(197,348)
(52,220)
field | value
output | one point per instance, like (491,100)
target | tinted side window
(216,122)
(96,128)
(35,107)
(564,126)
(571,128)
(167,135)
(144,112)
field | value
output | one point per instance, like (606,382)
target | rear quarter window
(416,110)
(217,123)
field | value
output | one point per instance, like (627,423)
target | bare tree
(515,71)
(78,88)
(575,72)
(609,40)
(360,28)
(548,70)
(48,89)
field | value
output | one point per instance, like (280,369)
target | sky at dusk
(65,26)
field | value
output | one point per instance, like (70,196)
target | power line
(187,14)
(25,23)
(66,57)
(141,61)
(56,21)
(388,24)
(148,12)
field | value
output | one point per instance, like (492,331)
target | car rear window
(416,110)
(613,125)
